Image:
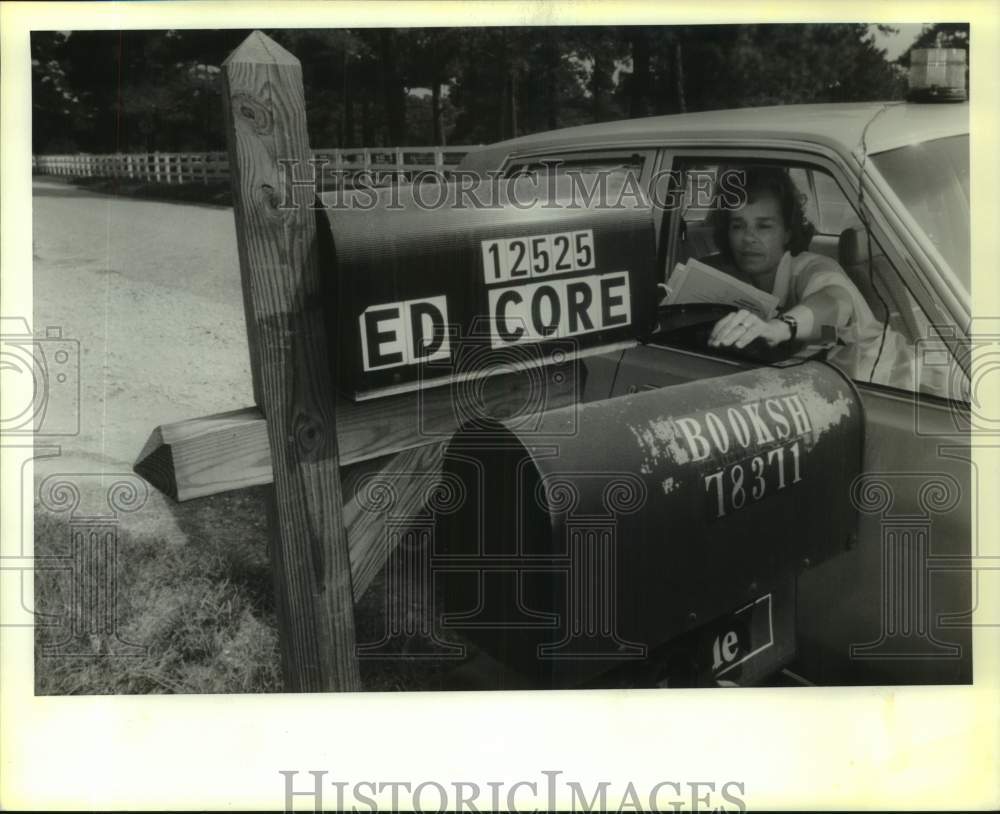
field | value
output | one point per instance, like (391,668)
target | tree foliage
(107,91)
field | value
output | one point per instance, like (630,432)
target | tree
(337,71)
(434,58)
(512,81)
(640,79)
(104,91)
(111,91)
(54,107)
(599,51)
(390,42)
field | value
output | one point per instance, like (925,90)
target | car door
(893,608)
(902,599)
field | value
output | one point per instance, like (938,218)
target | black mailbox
(420,272)
(635,521)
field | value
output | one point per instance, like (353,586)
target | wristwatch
(792,323)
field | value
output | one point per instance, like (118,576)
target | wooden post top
(258,48)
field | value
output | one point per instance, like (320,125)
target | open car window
(894,322)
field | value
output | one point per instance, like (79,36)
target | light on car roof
(937,75)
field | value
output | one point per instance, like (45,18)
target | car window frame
(945,281)
(651,155)
(898,244)
(568,156)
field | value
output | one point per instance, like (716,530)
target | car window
(698,183)
(932,181)
(594,173)
(805,181)
(833,212)
(826,206)
(894,323)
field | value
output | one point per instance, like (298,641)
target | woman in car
(764,241)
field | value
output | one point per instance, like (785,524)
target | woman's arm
(823,300)
(830,305)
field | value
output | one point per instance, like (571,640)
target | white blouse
(803,275)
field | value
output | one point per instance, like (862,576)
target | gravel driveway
(151,291)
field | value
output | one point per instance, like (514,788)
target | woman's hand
(741,328)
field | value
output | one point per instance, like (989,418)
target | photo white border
(917,748)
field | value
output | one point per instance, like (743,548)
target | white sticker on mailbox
(531,257)
(559,308)
(394,334)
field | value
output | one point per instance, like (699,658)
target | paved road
(151,291)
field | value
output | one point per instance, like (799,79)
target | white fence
(204,168)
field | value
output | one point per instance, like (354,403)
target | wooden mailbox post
(314,444)
(279,265)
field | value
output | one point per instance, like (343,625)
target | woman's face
(758,236)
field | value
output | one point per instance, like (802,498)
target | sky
(895,44)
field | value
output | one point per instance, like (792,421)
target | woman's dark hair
(747,184)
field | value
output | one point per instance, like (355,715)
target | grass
(201,620)
(195,616)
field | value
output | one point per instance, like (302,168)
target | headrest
(852,247)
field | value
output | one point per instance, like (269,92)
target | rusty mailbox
(649,518)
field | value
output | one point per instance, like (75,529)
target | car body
(888,184)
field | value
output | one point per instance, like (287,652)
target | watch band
(792,323)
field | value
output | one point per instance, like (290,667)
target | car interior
(840,235)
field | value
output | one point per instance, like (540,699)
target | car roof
(839,126)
